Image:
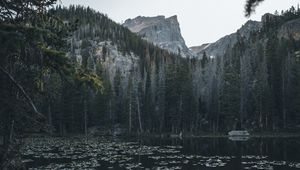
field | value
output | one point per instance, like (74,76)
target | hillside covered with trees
(71,70)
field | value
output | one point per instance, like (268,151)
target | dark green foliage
(180,103)
(246,92)
(255,85)
(204,60)
(294,97)
(94,25)
(38,81)
(250,6)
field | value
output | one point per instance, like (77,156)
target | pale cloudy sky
(201,21)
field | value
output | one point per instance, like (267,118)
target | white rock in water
(238,133)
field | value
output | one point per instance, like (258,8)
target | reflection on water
(157,153)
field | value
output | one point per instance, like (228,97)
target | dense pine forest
(253,86)
(73,70)
(63,73)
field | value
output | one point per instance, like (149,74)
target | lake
(161,153)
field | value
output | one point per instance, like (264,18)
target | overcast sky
(201,21)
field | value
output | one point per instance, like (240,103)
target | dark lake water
(162,153)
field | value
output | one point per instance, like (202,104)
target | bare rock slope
(163,32)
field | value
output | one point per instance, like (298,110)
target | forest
(67,71)
(254,86)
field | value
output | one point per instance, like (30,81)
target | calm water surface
(162,153)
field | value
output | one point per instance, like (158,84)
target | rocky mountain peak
(141,22)
(163,32)
(173,19)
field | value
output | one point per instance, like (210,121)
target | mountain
(219,47)
(163,32)
(149,89)
(251,82)
(73,70)
(138,76)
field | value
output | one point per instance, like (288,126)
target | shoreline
(168,135)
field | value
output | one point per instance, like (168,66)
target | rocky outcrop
(107,54)
(163,32)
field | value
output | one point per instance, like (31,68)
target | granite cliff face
(163,32)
